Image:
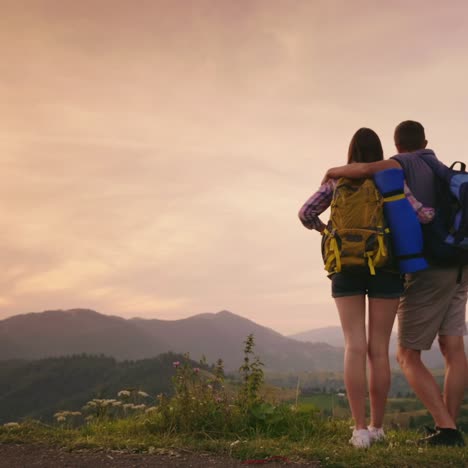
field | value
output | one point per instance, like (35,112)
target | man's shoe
(428,430)
(444,436)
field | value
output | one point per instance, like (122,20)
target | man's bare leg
(453,349)
(425,386)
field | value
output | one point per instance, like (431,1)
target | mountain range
(213,335)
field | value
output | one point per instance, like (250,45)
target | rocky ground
(13,456)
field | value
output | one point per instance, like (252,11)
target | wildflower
(61,418)
(196,370)
(11,425)
(123,393)
(117,403)
(151,409)
(143,394)
(176,364)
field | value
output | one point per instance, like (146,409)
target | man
(434,302)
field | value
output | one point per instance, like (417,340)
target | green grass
(320,401)
(205,415)
(326,442)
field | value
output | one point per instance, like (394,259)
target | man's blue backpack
(446,237)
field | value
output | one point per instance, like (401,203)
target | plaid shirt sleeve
(316,205)
(425,214)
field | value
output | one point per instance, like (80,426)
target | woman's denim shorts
(383,285)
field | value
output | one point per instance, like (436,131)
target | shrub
(203,405)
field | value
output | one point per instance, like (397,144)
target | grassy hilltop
(243,420)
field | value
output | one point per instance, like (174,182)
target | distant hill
(58,333)
(214,335)
(330,335)
(334,336)
(38,389)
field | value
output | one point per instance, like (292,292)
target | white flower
(123,393)
(11,425)
(143,394)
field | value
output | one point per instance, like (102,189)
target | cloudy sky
(154,153)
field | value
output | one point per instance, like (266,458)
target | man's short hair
(409,136)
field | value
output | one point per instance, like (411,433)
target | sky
(154,153)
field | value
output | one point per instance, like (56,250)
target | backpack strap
(370,264)
(433,163)
(462,166)
(336,252)
(438,167)
(382,251)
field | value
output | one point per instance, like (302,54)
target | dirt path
(25,456)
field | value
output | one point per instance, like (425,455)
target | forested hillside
(39,388)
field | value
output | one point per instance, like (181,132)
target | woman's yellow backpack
(357,236)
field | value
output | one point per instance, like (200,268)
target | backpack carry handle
(462,166)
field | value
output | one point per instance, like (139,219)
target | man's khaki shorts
(433,303)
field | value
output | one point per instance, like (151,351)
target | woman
(383,290)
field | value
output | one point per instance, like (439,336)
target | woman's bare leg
(352,311)
(382,314)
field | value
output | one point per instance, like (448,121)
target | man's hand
(360,170)
(330,175)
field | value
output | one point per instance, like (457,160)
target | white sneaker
(376,433)
(360,438)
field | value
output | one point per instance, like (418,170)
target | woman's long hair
(365,146)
